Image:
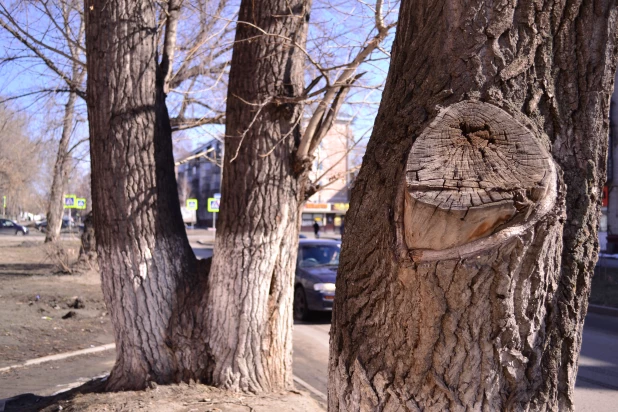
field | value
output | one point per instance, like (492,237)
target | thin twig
(242,137)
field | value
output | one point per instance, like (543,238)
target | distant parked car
(8,227)
(66,226)
(316,271)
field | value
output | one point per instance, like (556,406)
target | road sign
(213,204)
(69,201)
(80,203)
(192,204)
(217,195)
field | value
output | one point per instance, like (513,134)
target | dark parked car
(316,270)
(8,227)
(66,226)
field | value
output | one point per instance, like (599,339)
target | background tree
(20,163)
(494,118)
(61,52)
(46,40)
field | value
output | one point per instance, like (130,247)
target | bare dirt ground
(172,398)
(35,298)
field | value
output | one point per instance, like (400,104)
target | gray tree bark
(153,286)
(472,231)
(252,275)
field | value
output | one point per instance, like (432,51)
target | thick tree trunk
(55,208)
(472,232)
(250,315)
(152,283)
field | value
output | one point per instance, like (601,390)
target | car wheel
(19,233)
(301,309)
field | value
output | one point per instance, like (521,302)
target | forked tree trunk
(250,312)
(151,282)
(472,232)
(55,208)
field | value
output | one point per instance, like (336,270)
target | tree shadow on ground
(26,269)
(316,318)
(597,377)
(598,360)
(29,402)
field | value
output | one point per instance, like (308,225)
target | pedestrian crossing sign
(192,204)
(213,204)
(70,201)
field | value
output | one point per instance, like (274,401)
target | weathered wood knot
(473,171)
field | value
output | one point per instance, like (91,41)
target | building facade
(331,171)
(199,177)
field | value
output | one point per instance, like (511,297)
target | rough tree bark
(250,314)
(152,283)
(472,232)
(55,208)
(87,258)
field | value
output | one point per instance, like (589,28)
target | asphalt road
(596,389)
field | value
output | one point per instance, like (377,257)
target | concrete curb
(314,391)
(60,356)
(109,346)
(603,310)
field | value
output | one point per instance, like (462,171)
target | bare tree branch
(15,29)
(182,123)
(327,122)
(164,71)
(312,134)
(199,69)
(50,64)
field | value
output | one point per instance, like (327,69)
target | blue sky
(338,30)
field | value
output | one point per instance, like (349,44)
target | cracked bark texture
(250,317)
(473,170)
(151,281)
(493,323)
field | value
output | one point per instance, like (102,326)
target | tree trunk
(87,258)
(56,202)
(152,283)
(472,231)
(252,275)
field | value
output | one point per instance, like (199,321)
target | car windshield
(319,255)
